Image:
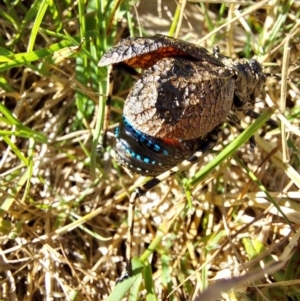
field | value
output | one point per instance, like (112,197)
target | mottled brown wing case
(180,99)
(145,52)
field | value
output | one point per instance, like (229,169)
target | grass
(63,210)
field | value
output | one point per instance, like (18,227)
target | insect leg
(131,209)
(272,123)
(233,120)
(212,139)
(128,69)
(109,92)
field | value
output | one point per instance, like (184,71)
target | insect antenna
(110,85)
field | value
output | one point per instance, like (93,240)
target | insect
(173,114)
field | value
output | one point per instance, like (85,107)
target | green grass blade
(230,149)
(36,25)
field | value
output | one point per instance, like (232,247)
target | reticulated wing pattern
(145,52)
(180,99)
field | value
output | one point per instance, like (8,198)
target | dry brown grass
(63,215)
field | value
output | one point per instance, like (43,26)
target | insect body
(179,102)
(173,114)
